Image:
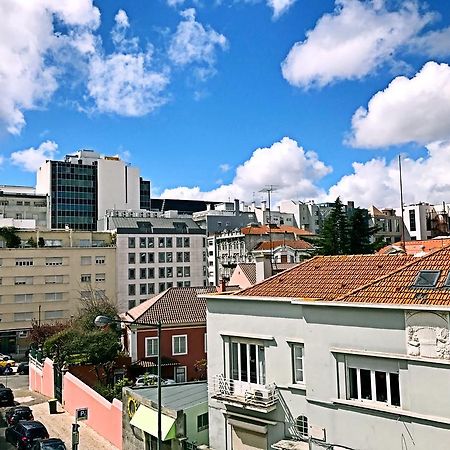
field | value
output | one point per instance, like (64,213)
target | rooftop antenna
(269,189)
(402,236)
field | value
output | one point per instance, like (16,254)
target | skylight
(447,281)
(427,278)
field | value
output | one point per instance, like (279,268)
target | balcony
(242,394)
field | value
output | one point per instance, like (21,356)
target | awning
(147,420)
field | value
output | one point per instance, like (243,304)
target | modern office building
(83,186)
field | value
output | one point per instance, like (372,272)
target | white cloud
(408,110)
(175,2)
(285,164)
(224,167)
(31,158)
(27,37)
(352,42)
(376,182)
(194,43)
(280,6)
(434,43)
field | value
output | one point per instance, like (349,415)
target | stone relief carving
(427,334)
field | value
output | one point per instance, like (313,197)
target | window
(131,274)
(85,277)
(169,257)
(142,242)
(131,304)
(151,272)
(301,424)
(53,296)
(57,243)
(100,260)
(169,272)
(187,284)
(23,280)
(100,277)
(59,314)
(53,261)
(23,316)
(179,242)
(179,256)
(150,258)
(150,288)
(162,287)
(248,363)
(143,289)
(180,374)
(187,271)
(169,284)
(143,273)
(131,242)
(373,385)
(169,242)
(54,279)
(150,242)
(131,289)
(86,260)
(162,257)
(162,272)
(131,258)
(427,278)
(23,298)
(187,256)
(24,262)
(142,258)
(187,242)
(298,363)
(179,272)
(412,220)
(161,242)
(202,422)
(179,345)
(151,346)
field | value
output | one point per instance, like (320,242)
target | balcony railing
(245,393)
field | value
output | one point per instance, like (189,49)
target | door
(57,378)
(248,440)
(248,369)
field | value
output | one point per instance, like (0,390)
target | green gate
(58,378)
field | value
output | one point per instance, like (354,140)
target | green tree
(334,235)
(9,234)
(360,232)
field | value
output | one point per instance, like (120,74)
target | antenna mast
(269,189)
(402,236)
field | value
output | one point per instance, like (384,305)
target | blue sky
(216,99)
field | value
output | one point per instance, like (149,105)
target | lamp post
(103,321)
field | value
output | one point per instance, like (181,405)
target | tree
(41,332)
(12,240)
(334,235)
(360,232)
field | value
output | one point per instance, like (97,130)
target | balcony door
(248,366)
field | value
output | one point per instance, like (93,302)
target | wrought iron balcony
(245,394)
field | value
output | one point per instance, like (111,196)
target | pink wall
(41,379)
(104,417)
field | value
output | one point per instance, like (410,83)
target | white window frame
(201,425)
(176,368)
(86,260)
(206,342)
(100,277)
(85,278)
(295,368)
(54,279)
(99,260)
(173,344)
(153,340)
(23,298)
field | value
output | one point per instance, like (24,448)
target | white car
(149,379)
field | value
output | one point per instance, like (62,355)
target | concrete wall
(333,337)
(40,378)
(195,436)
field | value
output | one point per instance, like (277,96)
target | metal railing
(263,396)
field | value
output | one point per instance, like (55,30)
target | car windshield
(53,446)
(22,414)
(35,433)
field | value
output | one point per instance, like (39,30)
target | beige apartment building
(46,282)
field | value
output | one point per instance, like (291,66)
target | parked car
(14,415)
(6,397)
(49,444)
(23,434)
(23,368)
(151,380)
(6,361)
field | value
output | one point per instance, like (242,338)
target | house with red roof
(348,351)
(183,335)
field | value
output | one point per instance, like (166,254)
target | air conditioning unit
(23,334)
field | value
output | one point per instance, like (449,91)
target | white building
(340,352)
(155,252)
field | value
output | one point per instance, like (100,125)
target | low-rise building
(387,224)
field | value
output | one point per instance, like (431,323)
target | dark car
(13,415)
(6,397)
(23,434)
(49,444)
(23,368)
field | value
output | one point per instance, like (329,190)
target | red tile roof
(175,306)
(264,229)
(327,277)
(249,270)
(397,288)
(414,247)
(299,244)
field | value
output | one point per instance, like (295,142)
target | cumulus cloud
(408,110)
(376,182)
(285,164)
(352,42)
(31,158)
(27,38)
(196,44)
(434,43)
(280,6)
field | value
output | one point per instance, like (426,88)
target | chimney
(263,205)
(236,207)
(263,267)
(221,287)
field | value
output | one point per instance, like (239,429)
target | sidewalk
(60,425)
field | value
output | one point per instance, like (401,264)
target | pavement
(58,425)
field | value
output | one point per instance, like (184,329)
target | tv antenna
(269,188)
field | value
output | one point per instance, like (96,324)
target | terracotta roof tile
(414,247)
(397,287)
(264,229)
(249,270)
(299,244)
(177,305)
(327,277)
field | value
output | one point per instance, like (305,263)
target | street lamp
(103,321)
